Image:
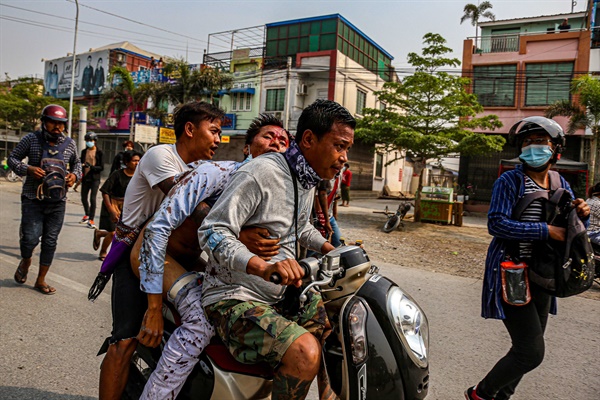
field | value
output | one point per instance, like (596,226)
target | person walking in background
(594,202)
(113,193)
(540,141)
(346,180)
(91,159)
(117,163)
(43,210)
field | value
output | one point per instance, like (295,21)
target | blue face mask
(536,155)
(89,144)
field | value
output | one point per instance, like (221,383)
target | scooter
(379,347)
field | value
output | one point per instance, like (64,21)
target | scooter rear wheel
(392,223)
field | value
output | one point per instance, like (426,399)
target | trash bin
(436,204)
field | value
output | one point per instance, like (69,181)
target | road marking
(76,286)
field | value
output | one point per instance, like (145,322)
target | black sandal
(21,275)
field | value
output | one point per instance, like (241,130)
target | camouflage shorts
(255,331)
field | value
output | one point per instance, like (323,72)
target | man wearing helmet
(91,160)
(540,142)
(42,215)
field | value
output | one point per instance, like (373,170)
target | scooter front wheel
(392,223)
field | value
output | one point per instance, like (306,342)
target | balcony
(510,42)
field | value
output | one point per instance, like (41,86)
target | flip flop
(45,289)
(21,275)
(96,240)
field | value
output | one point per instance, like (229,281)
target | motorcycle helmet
(90,136)
(530,125)
(55,113)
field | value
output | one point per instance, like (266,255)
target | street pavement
(48,344)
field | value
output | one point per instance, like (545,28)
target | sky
(46,30)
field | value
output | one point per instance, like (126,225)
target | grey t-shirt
(260,194)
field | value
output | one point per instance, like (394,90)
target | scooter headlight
(410,324)
(357,324)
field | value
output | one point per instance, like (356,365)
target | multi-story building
(518,68)
(300,61)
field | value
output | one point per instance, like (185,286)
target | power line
(138,22)
(91,33)
(87,22)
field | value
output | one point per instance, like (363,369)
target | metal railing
(510,42)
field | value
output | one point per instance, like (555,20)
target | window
(494,85)
(241,102)
(547,83)
(361,101)
(275,100)
(379,165)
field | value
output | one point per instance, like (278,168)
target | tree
(22,102)
(194,84)
(584,114)
(122,95)
(430,114)
(475,12)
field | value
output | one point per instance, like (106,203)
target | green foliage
(585,114)
(121,94)
(430,114)
(475,12)
(194,84)
(22,102)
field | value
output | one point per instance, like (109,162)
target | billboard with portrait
(90,75)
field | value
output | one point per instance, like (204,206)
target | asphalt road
(48,344)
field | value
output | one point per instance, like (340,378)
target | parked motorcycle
(378,349)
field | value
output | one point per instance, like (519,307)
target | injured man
(168,260)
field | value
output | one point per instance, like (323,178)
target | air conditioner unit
(112,122)
(302,90)
(276,114)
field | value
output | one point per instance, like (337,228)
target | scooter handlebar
(276,277)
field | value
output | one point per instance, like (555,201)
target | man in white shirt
(198,130)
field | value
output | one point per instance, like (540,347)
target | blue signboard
(229,122)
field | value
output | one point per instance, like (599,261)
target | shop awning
(242,90)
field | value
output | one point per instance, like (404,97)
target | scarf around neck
(307,176)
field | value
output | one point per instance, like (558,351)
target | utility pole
(69,134)
(82,126)
(288,85)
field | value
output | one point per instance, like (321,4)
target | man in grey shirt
(275,194)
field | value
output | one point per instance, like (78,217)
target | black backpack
(566,268)
(53,186)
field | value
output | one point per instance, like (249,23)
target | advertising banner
(89,75)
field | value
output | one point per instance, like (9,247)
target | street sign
(167,135)
(145,134)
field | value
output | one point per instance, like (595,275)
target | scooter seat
(219,354)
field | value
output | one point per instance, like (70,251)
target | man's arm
(16,156)
(74,165)
(205,181)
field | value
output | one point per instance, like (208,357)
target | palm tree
(475,12)
(122,95)
(585,114)
(194,84)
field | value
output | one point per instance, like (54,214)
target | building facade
(518,68)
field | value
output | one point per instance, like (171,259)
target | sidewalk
(361,205)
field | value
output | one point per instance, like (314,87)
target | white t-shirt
(143,197)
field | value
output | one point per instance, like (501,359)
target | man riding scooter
(237,293)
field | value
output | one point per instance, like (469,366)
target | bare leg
(323,383)
(115,369)
(40,282)
(108,237)
(298,369)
